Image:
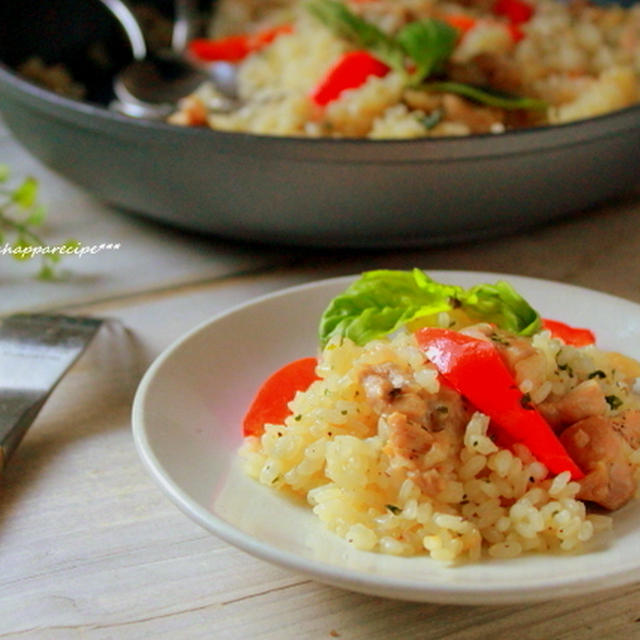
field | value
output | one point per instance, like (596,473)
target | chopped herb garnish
(430,120)
(298,417)
(567,369)
(494,337)
(613,401)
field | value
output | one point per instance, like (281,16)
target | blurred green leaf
(21,249)
(25,194)
(46,272)
(37,215)
(20,215)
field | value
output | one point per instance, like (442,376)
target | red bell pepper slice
(574,336)
(461,22)
(270,405)
(264,37)
(236,47)
(228,49)
(349,72)
(516,11)
(515,31)
(475,369)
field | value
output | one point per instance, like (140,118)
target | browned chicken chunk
(412,413)
(596,445)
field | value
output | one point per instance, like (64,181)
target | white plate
(186,423)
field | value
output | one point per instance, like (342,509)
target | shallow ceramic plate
(186,423)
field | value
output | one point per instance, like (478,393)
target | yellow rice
(491,501)
(583,61)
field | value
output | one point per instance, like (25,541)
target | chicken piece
(406,438)
(497,70)
(597,448)
(389,390)
(412,414)
(627,425)
(583,401)
(513,349)
(448,411)
(478,119)
(430,481)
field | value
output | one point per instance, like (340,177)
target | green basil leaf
(489,97)
(429,43)
(26,193)
(381,301)
(342,21)
(502,305)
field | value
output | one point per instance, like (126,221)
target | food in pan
(450,422)
(416,68)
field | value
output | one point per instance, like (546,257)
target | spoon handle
(129,23)
(185,25)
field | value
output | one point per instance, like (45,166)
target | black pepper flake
(525,401)
(599,373)
(393,508)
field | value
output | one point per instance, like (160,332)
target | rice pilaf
(456,494)
(576,59)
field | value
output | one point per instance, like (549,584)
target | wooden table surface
(90,547)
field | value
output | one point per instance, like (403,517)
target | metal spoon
(152,84)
